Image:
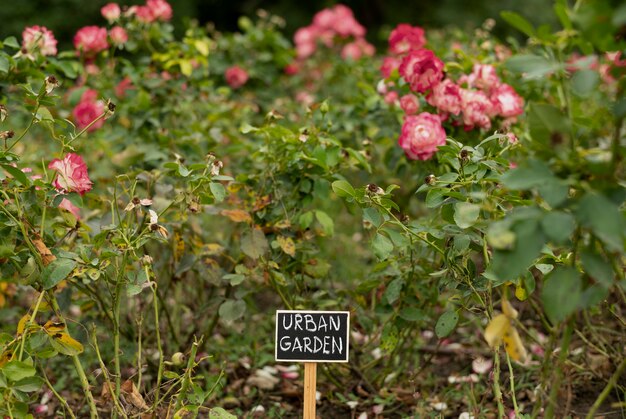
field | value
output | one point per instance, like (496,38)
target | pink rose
(345,24)
(405,38)
(39,38)
(389,65)
(357,49)
(446,96)
(421,135)
(292,69)
(422,70)
(87,110)
(118,35)
(143,13)
(123,86)
(484,77)
(67,205)
(111,12)
(409,104)
(391,98)
(507,102)
(477,109)
(160,10)
(72,174)
(236,76)
(90,40)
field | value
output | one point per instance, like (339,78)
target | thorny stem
(56,394)
(607,390)
(105,372)
(30,124)
(512,381)
(496,384)
(81,132)
(556,383)
(116,328)
(187,378)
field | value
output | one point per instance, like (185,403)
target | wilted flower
(90,40)
(67,205)
(3,113)
(236,76)
(155,226)
(72,174)
(216,166)
(481,365)
(135,202)
(51,84)
(39,38)
(421,135)
(111,12)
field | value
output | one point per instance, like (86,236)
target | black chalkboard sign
(312,336)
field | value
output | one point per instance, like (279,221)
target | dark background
(64,17)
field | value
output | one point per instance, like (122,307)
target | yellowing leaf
(514,346)
(179,246)
(238,216)
(212,249)
(65,344)
(6,356)
(521,293)
(287,245)
(46,256)
(508,309)
(22,323)
(497,327)
(54,327)
(283,224)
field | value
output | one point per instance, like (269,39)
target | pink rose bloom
(90,40)
(88,109)
(305,50)
(484,77)
(143,14)
(357,49)
(118,35)
(446,96)
(389,64)
(345,24)
(305,39)
(111,12)
(391,98)
(39,38)
(292,69)
(72,174)
(409,104)
(422,70)
(67,205)
(477,109)
(421,135)
(507,101)
(236,76)
(123,86)
(405,38)
(160,10)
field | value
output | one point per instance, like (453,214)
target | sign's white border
(311,311)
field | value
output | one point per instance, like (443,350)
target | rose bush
(162,196)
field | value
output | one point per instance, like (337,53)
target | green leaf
(28,384)
(327,223)
(435,197)
(529,240)
(254,244)
(446,324)
(560,8)
(234,279)
(558,226)
(604,218)
(393,290)
(218,191)
(534,173)
(554,192)
(343,189)
(372,216)
(231,310)
(597,268)
(390,338)
(466,214)
(412,314)
(11,42)
(531,66)
(584,82)
(518,22)
(4,64)
(561,293)
(17,174)
(220,413)
(57,271)
(18,370)
(382,246)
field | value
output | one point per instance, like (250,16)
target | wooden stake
(310,382)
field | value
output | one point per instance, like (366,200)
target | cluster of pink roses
(38,38)
(152,11)
(328,25)
(89,109)
(473,101)
(236,76)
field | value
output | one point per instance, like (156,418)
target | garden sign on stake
(311,337)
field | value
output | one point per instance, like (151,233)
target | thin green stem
(607,389)
(556,382)
(105,373)
(28,323)
(496,384)
(56,394)
(93,411)
(187,378)
(158,340)
(30,125)
(512,381)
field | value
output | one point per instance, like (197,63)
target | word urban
(312,336)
